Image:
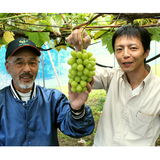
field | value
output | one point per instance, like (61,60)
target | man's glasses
(21,64)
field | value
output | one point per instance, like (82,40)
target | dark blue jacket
(36,123)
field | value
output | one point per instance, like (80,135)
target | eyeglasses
(21,64)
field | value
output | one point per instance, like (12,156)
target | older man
(31,114)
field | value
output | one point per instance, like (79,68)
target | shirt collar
(15,93)
(145,81)
(149,77)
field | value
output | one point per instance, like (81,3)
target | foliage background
(45,27)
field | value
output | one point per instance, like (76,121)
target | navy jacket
(35,123)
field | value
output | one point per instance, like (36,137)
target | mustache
(25,74)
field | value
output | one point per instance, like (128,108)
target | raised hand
(75,39)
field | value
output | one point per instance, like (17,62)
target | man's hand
(75,39)
(78,99)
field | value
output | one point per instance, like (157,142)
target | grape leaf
(8,36)
(39,38)
(155,33)
(99,34)
(54,29)
(107,40)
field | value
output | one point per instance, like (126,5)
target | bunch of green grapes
(82,70)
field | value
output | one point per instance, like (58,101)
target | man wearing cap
(31,114)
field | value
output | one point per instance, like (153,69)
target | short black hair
(133,31)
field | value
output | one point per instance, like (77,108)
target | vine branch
(89,22)
(18,16)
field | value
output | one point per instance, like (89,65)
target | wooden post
(43,70)
(54,67)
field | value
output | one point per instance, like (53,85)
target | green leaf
(39,38)
(54,29)
(58,20)
(155,33)
(99,34)
(107,40)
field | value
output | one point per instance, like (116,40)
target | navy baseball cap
(18,43)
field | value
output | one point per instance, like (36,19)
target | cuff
(78,114)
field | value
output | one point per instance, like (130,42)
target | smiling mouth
(127,63)
(26,77)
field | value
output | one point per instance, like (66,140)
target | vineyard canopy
(46,27)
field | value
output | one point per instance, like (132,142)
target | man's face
(130,54)
(23,68)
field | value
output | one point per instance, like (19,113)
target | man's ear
(7,67)
(146,53)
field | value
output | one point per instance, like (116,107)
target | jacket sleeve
(75,128)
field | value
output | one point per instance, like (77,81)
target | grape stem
(82,40)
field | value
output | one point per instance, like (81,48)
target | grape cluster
(82,70)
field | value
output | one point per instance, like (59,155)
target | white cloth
(25,96)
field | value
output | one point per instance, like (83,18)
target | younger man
(131,113)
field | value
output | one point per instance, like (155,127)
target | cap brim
(35,48)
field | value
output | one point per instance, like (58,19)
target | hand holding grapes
(78,99)
(75,39)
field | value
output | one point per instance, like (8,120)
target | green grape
(92,63)
(86,71)
(74,72)
(92,59)
(72,76)
(86,62)
(89,79)
(73,53)
(77,79)
(94,73)
(70,70)
(79,88)
(74,66)
(74,84)
(84,56)
(84,51)
(83,83)
(89,54)
(73,89)
(80,67)
(69,75)
(71,61)
(84,89)
(79,73)
(84,77)
(89,66)
(94,68)
(79,54)
(79,61)
(90,74)
(70,80)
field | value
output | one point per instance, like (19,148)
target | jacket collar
(17,96)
